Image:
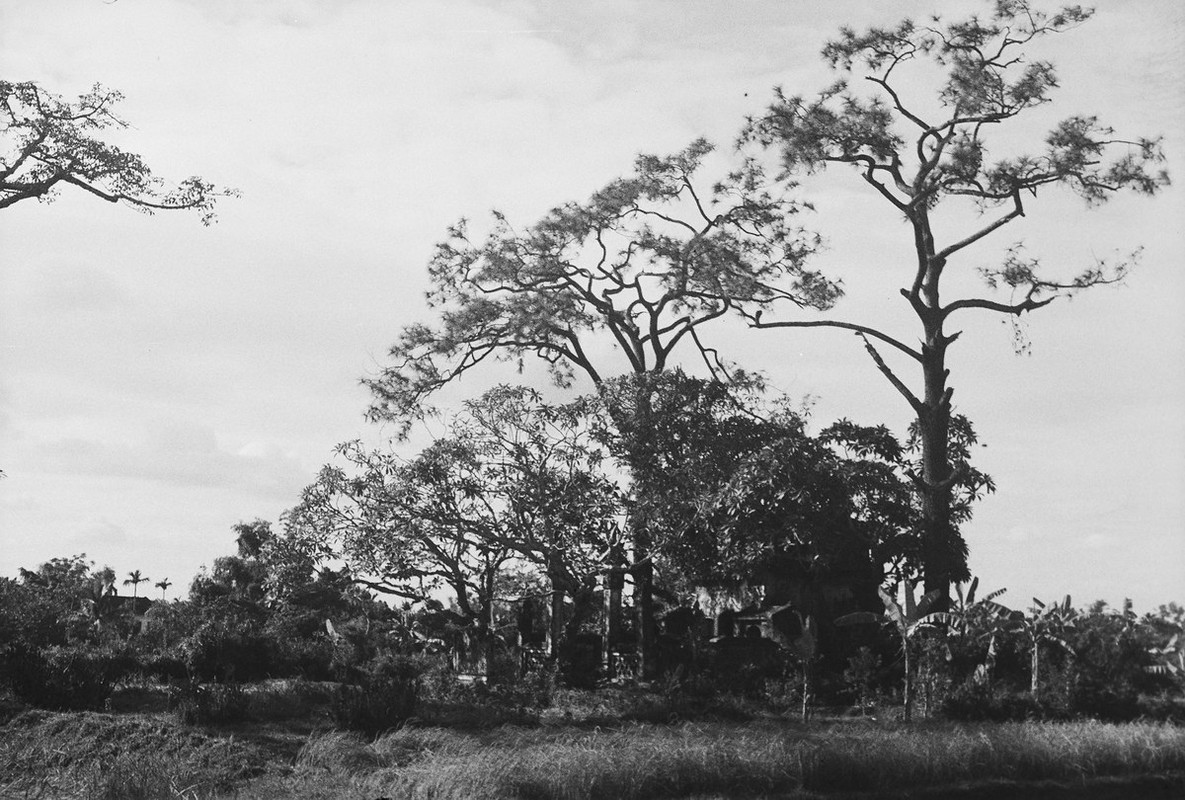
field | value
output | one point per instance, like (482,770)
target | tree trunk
(647,631)
(1035,669)
(614,581)
(933,418)
(934,430)
(908,698)
(555,622)
(637,430)
(485,613)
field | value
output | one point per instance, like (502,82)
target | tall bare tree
(923,155)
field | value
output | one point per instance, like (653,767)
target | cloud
(17,501)
(99,534)
(1018,534)
(76,288)
(179,453)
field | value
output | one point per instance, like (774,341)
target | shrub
(386,698)
(979,703)
(225,651)
(290,699)
(308,658)
(1162,707)
(163,668)
(211,703)
(71,677)
(861,678)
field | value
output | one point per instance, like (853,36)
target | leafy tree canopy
(512,482)
(648,261)
(50,142)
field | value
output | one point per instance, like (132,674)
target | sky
(161,381)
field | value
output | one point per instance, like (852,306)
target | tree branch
(756,322)
(898,384)
(1017,211)
(1029,304)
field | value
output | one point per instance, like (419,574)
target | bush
(861,679)
(163,668)
(979,703)
(1162,707)
(505,698)
(225,652)
(212,703)
(291,698)
(386,698)
(71,677)
(308,658)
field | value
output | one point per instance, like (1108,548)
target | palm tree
(135,579)
(162,585)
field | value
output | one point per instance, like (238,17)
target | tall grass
(736,761)
(99,756)
(90,755)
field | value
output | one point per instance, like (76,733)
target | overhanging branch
(755,321)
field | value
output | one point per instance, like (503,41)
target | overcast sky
(162,381)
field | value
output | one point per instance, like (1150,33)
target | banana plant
(967,607)
(1046,623)
(980,619)
(907,618)
(1171,658)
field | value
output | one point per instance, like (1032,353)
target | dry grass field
(153,755)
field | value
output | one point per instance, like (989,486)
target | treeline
(690,534)
(382,664)
(502,554)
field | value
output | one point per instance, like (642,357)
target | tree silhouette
(513,483)
(926,158)
(163,585)
(616,286)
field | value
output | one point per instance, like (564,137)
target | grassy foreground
(140,756)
